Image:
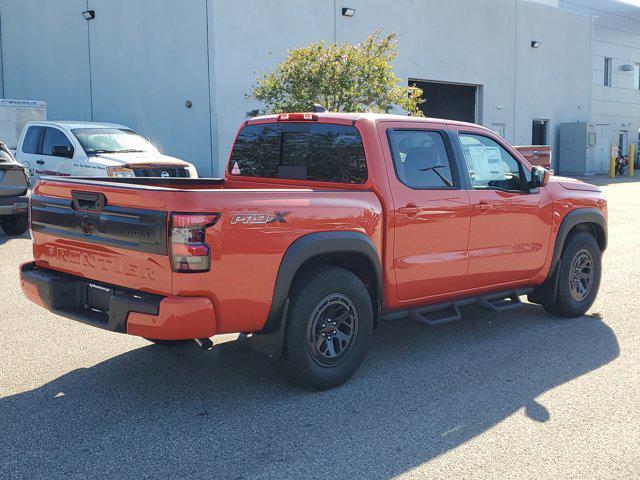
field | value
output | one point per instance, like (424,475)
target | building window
(636,76)
(608,64)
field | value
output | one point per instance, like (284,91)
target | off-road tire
(565,305)
(298,364)
(14,225)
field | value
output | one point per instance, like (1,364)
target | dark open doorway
(448,100)
(539,132)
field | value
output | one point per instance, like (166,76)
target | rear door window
(300,151)
(420,159)
(54,138)
(32,140)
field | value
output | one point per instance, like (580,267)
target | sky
(632,2)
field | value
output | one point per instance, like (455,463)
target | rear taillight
(189,251)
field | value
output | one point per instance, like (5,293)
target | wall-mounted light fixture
(535,44)
(626,68)
(348,12)
(89,14)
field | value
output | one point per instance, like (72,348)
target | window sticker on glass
(494,160)
(486,161)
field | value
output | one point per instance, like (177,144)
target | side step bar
(447,312)
(500,305)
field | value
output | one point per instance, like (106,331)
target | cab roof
(71,124)
(328,117)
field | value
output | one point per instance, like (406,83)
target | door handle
(40,162)
(410,210)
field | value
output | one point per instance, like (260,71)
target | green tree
(340,77)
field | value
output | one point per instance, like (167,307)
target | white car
(90,149)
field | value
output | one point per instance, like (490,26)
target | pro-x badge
(259,218)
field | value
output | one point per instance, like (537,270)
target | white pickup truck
(90,149)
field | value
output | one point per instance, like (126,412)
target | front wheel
(14,225)
(579,277)
(328,330)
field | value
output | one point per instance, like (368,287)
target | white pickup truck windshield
(111,140)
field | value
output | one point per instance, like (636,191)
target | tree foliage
(340,77)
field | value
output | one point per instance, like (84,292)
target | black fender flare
(546,293)
(313,245)
(573,218)
(269,340)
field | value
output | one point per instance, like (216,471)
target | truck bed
(117,232)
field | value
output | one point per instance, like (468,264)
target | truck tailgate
(106,234)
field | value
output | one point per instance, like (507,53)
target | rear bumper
(118,309)
(14,205)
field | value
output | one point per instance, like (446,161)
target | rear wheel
(578,278)
(328,330)
(14,225)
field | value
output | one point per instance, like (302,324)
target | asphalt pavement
(513,395)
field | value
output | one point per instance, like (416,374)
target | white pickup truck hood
(146,158)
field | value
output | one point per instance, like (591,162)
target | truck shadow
(226,414)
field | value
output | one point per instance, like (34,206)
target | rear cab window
(318,152)
(32,140)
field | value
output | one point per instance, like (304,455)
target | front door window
(491,167)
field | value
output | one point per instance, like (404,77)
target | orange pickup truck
(323,226)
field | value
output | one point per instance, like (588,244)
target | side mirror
(539,177)
(61,151)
